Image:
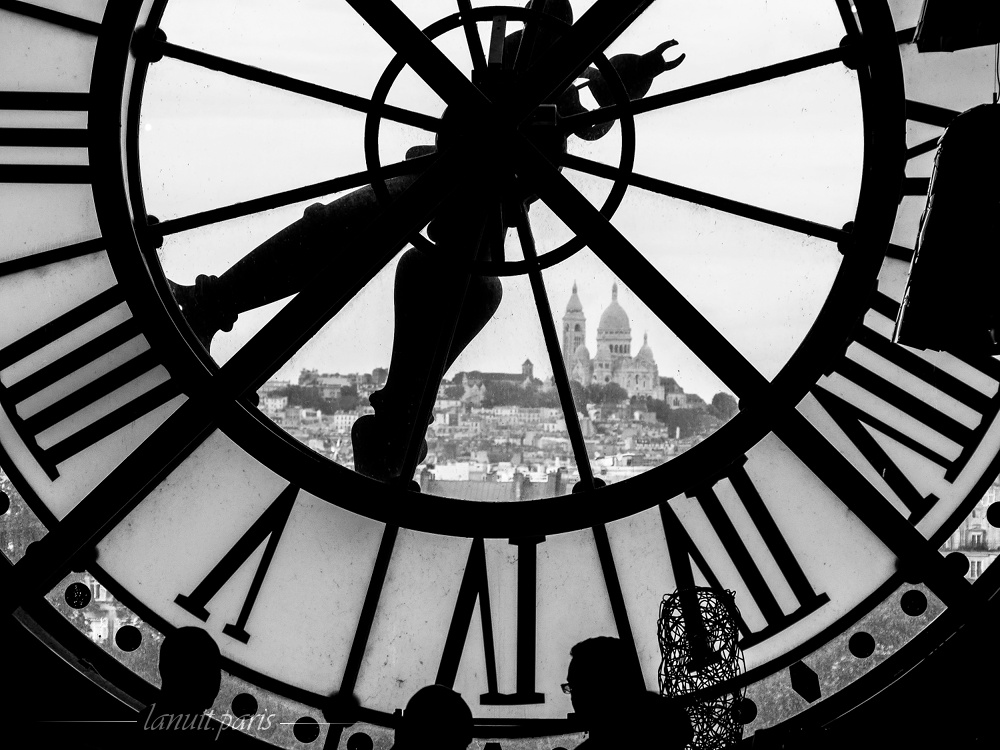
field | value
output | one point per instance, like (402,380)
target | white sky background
(793,145)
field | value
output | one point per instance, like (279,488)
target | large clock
(201,198)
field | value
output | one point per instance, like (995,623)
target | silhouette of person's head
(190,669)
(599,677)
(612,703)
(436,717)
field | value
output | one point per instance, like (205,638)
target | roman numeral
(475,584)
(929,115)
(42,138)
(754,586)
(269,525)
(83,338)
(934,428)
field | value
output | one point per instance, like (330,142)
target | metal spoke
(420,53)
(922,148)
(295,85)
(472,36)
(848,19)
(563,62)
(662,298)
(708,88)
(709,200)
(288,197)
(65,20)
(551,336)
(497,36)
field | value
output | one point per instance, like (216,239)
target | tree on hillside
(724,406)
(304,397)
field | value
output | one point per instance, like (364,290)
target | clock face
(216,213)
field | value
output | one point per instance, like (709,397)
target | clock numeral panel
(270,526)
(79,378)
(755,586)
(937,415)
(475,585)
(46,131)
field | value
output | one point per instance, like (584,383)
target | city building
(613,361)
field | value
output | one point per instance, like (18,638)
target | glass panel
(209,140)
(19,526)
(95,612)
(323,389)
(27,62)
(760,286)
(506,438)
(321,43)
(793,145)
(21,207)
(92,10)
(644,400)
(890,626)
(243,707)
(977,537)
(318,568)
(725,37)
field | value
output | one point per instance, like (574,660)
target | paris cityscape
(503,435)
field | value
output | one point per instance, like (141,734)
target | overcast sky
(793,145)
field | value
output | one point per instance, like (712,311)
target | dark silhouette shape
(191,674)
(613,704)
(436,717)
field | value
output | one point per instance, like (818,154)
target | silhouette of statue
(435,717)
(613,704)
(190,673)
(435,291)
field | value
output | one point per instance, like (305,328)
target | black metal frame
(123,220)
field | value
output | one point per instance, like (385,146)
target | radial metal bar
(420,53)
(709,200)
(497,37)
(709,88)
(563,62)
(296,86)
(472,35)
(288,197)
(929,113)
(45,100)
(69,137)
(645,281)
(67,21)
(559,373)
(922,148)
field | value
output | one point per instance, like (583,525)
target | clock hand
(282,264)
(637,73)
(385,444)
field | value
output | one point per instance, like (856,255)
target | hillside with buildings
(509,428)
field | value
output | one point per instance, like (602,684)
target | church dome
(645,354)
(574,305)
(614,317)
(582,353)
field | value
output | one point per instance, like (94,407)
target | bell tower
(574,327)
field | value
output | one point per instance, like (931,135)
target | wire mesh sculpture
(699,644)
